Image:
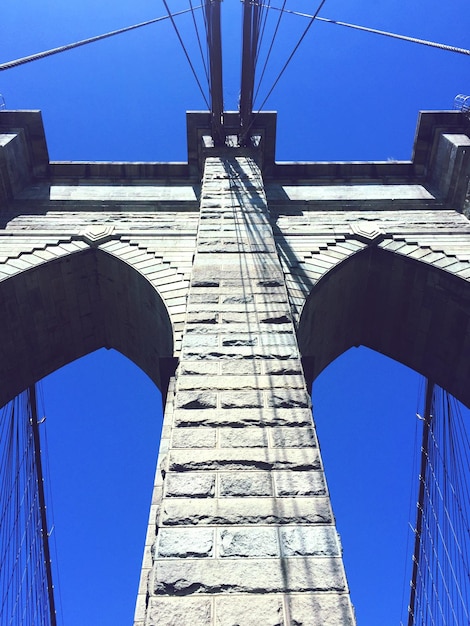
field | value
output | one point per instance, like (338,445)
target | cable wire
(267,6)
(375,31)
(180,39)
(47,53)
(296,47)
(204,63)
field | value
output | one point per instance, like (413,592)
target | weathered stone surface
(244,458)
(195,340)
(293,437)
(299,483)
(309,541)
(283,368)
(241,352)
(231,381)
(196,400)
(239,368)
(246,318)
(277,339)
(185,542)
(243,437)
(246,417)
(259,611)
(198,368)
(177,577)
(207,297)
(242,400)
(204,317)
(320,610)
(238,299)
(179,612)
(245,484)
(227,511)
(248,542)
(193,438)
(190,485)
(286,399)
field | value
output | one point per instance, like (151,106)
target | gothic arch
(59,311)
(406,309)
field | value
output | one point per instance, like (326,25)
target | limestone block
(286,399)
(247,542)
(244,458)
(244,340)
(299,483)
(193,438)
(177,577)
(241,400)
(293,437)
(227,511)
(258,611)
(283,368)
(202,281)
(198,368)
(243,438)
(238,368)
(196,400)
(192,485)
(207,296)
(239,383)
(204,317)
(239,318)
(245,484)
(238,299)
(185,542)
(277,339)
(309,541)
(241,327)
(241,352)
(320,610)
(200,341)
(278,319)
(245,417)
(179,612)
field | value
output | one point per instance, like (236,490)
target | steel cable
(47,53)
(180,39)
(376,31)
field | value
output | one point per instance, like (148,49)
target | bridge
(233,323)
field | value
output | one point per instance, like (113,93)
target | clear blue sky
(346,96)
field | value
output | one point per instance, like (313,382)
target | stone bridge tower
(233,281)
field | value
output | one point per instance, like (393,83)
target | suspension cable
(270,48)
(296,47)
(32,401)
(180,39)
(421,496)
(424,42)
(47,53)
(204,63)
(440,590)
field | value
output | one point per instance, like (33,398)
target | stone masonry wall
(241,530)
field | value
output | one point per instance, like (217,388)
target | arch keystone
(367,232)
(98,233)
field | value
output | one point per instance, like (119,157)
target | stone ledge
(298,459)
(228,511)
(249,576)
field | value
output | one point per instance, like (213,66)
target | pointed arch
(61,310)
(406,309)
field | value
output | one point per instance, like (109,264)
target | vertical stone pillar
(242,531)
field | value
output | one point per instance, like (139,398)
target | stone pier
(242,530)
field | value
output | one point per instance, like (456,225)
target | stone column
(241,531)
